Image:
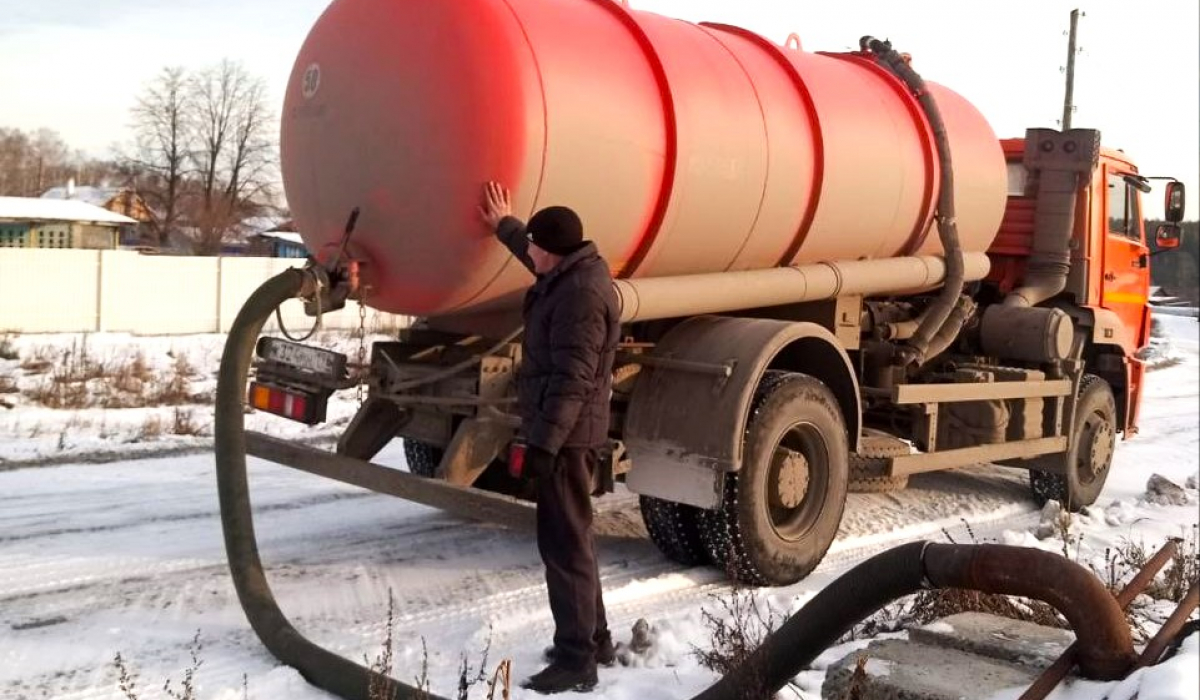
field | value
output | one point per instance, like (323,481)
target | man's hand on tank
(497,204)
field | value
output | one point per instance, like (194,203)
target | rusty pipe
(1058,670)
(1105,643)
(653,298)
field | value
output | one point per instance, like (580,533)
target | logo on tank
(312,80)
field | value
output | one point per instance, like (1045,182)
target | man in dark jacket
(572,325)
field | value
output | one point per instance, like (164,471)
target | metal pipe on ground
(655,298)
(1057,671)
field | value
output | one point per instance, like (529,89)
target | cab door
(1125,288)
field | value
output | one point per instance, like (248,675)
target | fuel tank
(685,148)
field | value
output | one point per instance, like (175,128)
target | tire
(675,529)
(781,512)
(1076,477)
(423,458)
(868,466)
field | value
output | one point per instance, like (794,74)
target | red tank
(685,148)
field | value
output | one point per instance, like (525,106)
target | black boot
(606,653)
(560,679)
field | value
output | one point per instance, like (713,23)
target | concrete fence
(117,291)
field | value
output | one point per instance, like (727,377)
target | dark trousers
(564,535)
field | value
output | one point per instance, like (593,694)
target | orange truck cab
(1108,287)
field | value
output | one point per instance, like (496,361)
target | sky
(76,66)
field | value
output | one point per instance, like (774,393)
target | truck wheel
(781,512)
(675,529)
(868,466)
(423,458)
(1075,478)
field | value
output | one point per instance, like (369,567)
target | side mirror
(1166,237)
(1175,202)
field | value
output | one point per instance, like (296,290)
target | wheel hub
(791,482)
(1099,450)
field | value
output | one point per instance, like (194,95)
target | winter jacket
(572,326)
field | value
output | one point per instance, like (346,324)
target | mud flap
(684,428)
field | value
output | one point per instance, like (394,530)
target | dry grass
(127,678)
(858,679)
(737,628)
(75,378)
(1124,561)
(176,389)
(39,359)
(184,423)
(7,350)
(152,429)
(934,605)
(381,686)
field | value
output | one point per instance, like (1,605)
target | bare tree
(14,159)
(234,154)
(31,163)
(163,149)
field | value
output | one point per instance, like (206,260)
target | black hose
(935,318)
(322,668)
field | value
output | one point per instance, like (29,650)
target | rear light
(290,403)
(516,459)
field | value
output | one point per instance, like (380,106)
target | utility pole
(1068,105)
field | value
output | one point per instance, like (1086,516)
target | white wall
(74,291)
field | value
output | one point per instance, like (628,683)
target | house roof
(39,209)
(282,236)
(98,196)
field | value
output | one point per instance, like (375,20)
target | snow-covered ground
(127,557)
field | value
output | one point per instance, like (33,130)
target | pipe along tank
(686,149)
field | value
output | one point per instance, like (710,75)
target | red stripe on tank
(814,199)
(646,241)
(920,232)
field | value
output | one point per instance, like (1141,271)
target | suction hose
(937,318)
(322,668)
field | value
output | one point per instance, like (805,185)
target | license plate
(326,363)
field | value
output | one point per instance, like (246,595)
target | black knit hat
(556,230)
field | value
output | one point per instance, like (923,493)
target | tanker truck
(832,273)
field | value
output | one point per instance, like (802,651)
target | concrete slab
(996,637)
(903,670)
